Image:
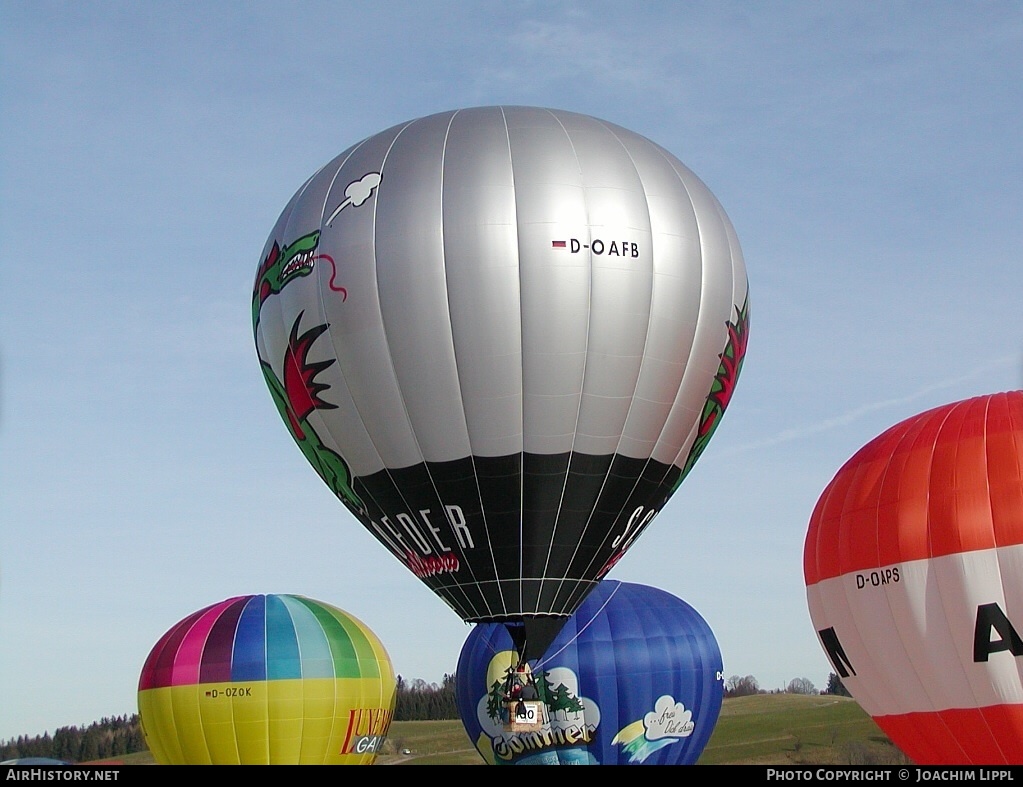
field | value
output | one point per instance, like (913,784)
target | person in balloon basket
(527,692)
(522,689)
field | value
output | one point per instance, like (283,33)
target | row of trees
(104,739)
(419,700)
(737,686)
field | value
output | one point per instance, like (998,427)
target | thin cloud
(789,435)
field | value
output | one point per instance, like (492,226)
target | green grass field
(765,729)
(793,729)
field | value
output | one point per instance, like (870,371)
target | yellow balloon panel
(307,721)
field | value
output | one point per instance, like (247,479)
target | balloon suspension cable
(548,656)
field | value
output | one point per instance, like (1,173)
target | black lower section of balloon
(504,538)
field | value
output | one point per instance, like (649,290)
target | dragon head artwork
(281,266)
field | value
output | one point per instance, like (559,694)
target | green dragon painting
(297,397)
(281,266)
(722,388)
(300,394)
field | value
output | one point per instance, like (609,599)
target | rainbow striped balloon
(267,680)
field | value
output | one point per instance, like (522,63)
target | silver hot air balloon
(503,336)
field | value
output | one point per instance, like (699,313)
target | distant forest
(419,700)
(105,739)
(110,738)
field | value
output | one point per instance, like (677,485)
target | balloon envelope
(634,677)
(267,680)
(914,570)
(502,336)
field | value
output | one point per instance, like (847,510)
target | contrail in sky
(788,435)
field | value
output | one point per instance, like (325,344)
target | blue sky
(869,156)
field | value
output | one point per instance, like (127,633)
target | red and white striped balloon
(913,564)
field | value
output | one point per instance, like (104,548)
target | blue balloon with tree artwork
(633,678)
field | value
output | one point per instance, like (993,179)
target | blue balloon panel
(634,678)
